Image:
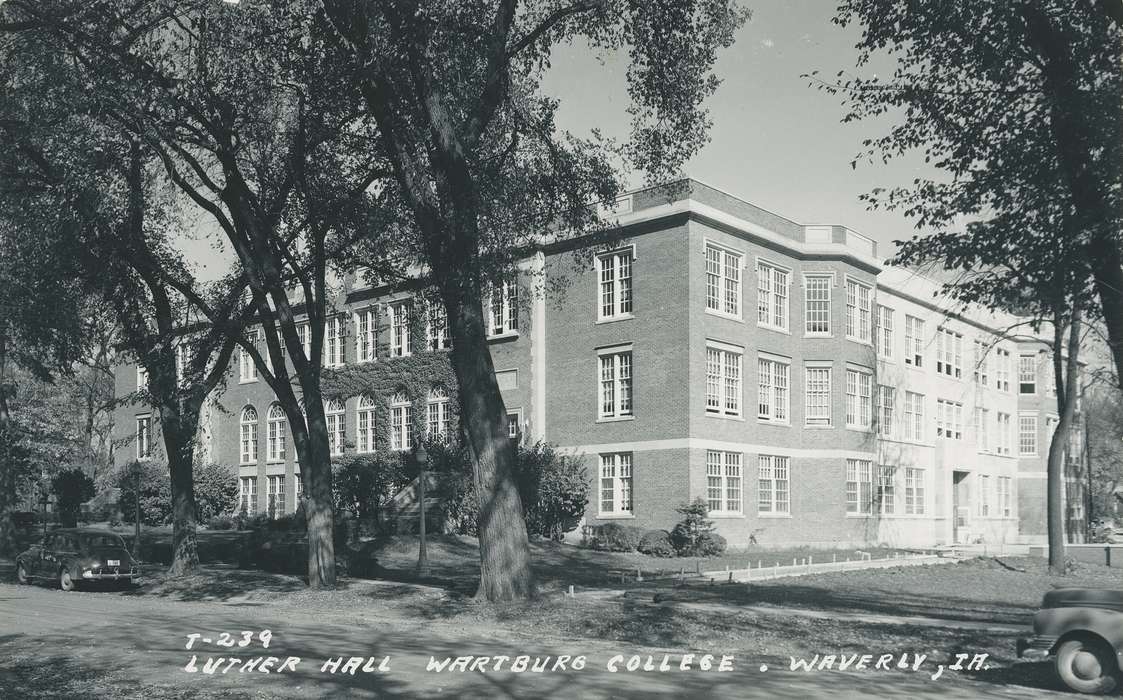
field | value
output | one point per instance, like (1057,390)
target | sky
(775,141)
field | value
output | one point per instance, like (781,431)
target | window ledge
(616,516)
(776,329)
(859,515)
(722,314)
(859,340)
(781,423)
(774,515)
(818,427)
(615,319)
(819,335)
(725,416)
(247,381)
(725,516)
(274,461)
(859,428)
(505,336)
(615,419)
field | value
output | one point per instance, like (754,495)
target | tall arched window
(336,431)
(249,435)
(365,423)
(401,420)
(438,422)
(277,427)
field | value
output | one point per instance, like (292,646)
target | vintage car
(1082,628)
(73,555)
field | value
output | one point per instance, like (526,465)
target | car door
(37,564)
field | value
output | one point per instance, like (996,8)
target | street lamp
(422,457)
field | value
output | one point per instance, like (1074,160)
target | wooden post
(571,591)
(639,575)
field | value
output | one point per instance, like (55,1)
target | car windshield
(92,541)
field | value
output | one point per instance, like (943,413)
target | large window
(364,424)
(1002,371)
(401,422)
(984,495)
(723,280)
(886,405)
(143,437)
(772,296)
(275,419)
(247,368)
(884,331)
(723,482)
(616,484)
(248,434)
(886,493)
(914,341)
(304,332)
(399,329)
(1027,436)
(982,432)
(366,332)
(1004,436)
(436,327)
(914,416)
(773,484)
(276,493)
(914,491)
(1027,374)
(723,381)
(774,383)
(335,413)
(817,304)
(141,378)
(502,305)
(859,486)
(949,419)
(982,363)
(858,310)
(438,422)
(615,285)
(817,409)
(247,495)
(333,341)
(1005,499)
(615,385)
(859,395)
(949,353)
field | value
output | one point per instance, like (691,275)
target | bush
(554,489)
(216,491)
(71,488)
(711,544)
(612,537)
(364,486)
(222,522)
(695,532)
(656,543)
(155,492)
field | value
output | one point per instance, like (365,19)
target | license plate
(113,562)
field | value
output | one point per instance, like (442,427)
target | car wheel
(1087,666)
(21,573)
(65,582)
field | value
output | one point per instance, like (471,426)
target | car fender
(1068,623)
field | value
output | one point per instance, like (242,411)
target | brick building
(882,415)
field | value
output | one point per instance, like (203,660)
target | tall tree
(256,127)
(455,90)
(1018,107)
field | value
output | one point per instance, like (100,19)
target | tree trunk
(179,444)
(314,455)
(505,572)
(1068,390)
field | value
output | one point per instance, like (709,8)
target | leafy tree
(147,481)
(554,489)
(216,490)
(478,168)
(364,484)
(71,488)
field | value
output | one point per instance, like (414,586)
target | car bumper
(1036,648)
(91,576)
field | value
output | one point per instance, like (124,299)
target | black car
(74,555)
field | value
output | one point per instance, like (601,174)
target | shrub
(711,544)
(71,488)
(688,535)
(364,485)
(216,491)
(554,488)
(155,492)
(613,537)
(656,543)
(222,522)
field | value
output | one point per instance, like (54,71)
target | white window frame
(859,311)
(276,425)
(886,493)
(983,487)
(366,334)
(1027,440)
(365,424)
(949,353)
(914,341)
(1002,370)
(915,491)
(774,486)
(438,421)
(723,280)
(612,386)
(818,409)
(1004,428)
(861,505)
(1005,497)
(514,423)
(401,422)
(399,312)
(437,334)
(335,414)
(774,295)
(886,410)
(982,429)
(914,416)
(506,313)
(247,495)
(247,368)
(813,315)
(725,476)
(1023,375)
(275,495)
(724,385)
(617,471)
(774,389)
(981,371)
(884,332)
(335,343)
(141,378)
(247,435)
(859,398)
(614,270)
(304,333)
